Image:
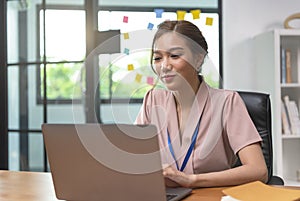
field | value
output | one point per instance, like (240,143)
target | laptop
(107,162)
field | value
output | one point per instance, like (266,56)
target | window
(129,72)
(46,49)
(64,49)
(121,76)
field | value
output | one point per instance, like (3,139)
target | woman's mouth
(167,78)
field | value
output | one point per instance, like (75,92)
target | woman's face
(174,61)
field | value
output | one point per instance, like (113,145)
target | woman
(201,129)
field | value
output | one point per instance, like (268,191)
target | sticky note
(150,80)
(138,77)
(126,51)
(158,12)
(180,14)
(195,13)
(126,36)
(130,67)
(125,19)
(209,21)
(150,26)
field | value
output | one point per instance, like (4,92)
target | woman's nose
(165,65)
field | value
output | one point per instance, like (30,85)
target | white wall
(242,20)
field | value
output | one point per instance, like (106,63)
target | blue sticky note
(158,12)
(150,26)
(126,51)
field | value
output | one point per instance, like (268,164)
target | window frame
(39,98)
(43,99)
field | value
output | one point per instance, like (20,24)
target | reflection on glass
(36,152)
(13,96)
(14,152)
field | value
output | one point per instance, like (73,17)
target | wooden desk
(37,186)
(29,186)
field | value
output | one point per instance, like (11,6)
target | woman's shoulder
(159,92)
(158,95)
(226,93)
(224,96)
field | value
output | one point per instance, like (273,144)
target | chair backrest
(259,109)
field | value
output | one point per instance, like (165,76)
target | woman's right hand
(171,183)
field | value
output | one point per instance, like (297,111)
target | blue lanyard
(189,152)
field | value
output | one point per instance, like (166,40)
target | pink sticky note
(125,19)
(150,80)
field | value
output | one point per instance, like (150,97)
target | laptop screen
(104,162)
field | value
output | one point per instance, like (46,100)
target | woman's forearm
(234,176)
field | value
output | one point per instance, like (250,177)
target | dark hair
(187,29)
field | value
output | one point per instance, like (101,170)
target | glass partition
(46,49)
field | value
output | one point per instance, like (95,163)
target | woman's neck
(185,96)
(184,101)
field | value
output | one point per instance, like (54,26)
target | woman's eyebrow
(175,48)
(169,50)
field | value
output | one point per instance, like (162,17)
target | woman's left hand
(179,177)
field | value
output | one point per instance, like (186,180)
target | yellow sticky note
(209,21)
(126,36)
(180,14)
(196,14)
(138,77)
(130,67)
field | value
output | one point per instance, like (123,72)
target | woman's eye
(175,56)
(156,58)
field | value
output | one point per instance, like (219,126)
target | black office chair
(259,109)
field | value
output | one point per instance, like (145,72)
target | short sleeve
(240,129)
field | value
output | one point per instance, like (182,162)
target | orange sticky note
(150,80)
(180,14)
(196,14)
(138,77)
(126,36)
(130,67)
(209,21)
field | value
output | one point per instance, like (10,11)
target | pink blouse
(225,128)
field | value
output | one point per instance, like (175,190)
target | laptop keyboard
(171,196)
